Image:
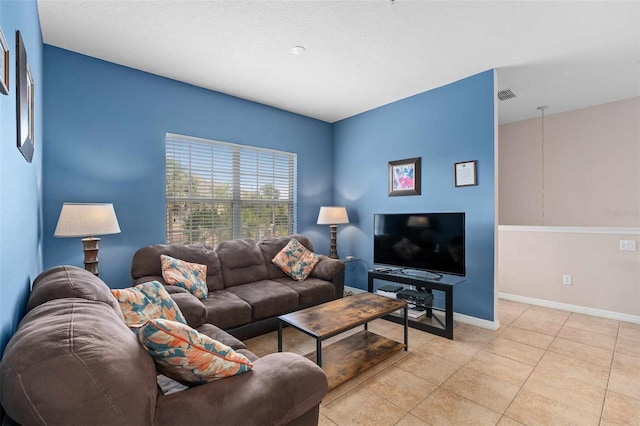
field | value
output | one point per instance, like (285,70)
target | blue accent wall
(446,125)
(20,182)
(105,129)
(102,133)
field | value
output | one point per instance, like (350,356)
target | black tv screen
(426,241)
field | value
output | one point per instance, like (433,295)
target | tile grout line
(606,391)
(528,377)
(461,366)
(556,336)
(466,362)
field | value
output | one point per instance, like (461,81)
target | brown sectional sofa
(73,361)
(247,291)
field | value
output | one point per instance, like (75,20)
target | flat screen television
(432,242)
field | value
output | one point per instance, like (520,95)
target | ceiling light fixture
(298,50)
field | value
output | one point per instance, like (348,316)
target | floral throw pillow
(191,276)
(296,260)
(145,302)
(188,356)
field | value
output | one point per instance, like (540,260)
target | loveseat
(246,291)
(73,361)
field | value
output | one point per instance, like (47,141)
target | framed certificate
(465,173)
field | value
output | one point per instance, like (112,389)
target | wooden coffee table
(357,353)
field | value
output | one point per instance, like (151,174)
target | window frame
(246,171)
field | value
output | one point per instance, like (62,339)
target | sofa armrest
(331,270)
(327,268)
(171,289)
(280,388)
(191,307)
(174,289)
(148,278)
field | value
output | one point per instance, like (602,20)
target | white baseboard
(491,325)
(571,308)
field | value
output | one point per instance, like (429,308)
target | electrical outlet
(566,280)
(627,245)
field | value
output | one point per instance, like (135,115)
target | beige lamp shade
(330,215)
(89,219)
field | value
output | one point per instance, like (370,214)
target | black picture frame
(24,101)
(465,173)
(4,66)
(405,177)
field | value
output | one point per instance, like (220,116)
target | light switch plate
(627,245)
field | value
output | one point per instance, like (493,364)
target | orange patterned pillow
(145,302)
(188,356)
(191,276)
(295,260)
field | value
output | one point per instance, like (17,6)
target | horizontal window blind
(218,191)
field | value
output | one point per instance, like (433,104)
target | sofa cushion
(226,310)
(180,273)
(271,246)
(145,302)
(146,261)
(296,260)
(192,309)
(221,336)
(190,357)
(74,362)
(70,281)
(311,291)
(242,262)
(267,298)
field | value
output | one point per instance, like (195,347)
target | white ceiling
(364,54)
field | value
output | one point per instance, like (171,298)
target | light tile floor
(542,367)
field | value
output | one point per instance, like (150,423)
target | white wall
(591,168)
(591,186)
(532,261)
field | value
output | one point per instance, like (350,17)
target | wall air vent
(505,94)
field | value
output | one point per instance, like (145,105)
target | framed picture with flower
(404,177)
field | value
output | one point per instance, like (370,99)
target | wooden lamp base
(90,246)
(333,245)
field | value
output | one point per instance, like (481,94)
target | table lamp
(333,216)
(87,220)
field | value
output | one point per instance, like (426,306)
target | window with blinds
(218,191)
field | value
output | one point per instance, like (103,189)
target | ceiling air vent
(505,94)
